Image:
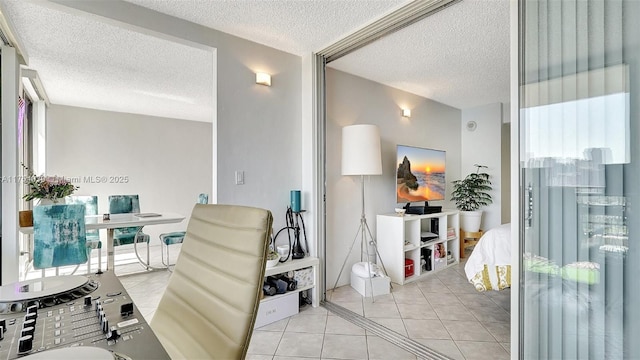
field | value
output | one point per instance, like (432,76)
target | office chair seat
(209,308)
(176,237)
(171,238)
(127,236)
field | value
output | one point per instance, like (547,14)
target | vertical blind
(579,166)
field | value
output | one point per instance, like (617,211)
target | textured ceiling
(458,56)
(88,63)
(294,26)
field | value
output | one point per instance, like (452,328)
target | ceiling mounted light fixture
(263,79)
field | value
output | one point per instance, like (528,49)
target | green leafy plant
(471,193)
(47,187)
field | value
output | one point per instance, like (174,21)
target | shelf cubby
(400,238)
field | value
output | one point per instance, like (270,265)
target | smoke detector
(471,125)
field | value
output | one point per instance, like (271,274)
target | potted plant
(48,189)
(470,194)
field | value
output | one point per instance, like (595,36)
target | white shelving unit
(297,264)
(278,307)
(400,238)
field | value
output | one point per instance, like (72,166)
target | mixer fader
(42,316)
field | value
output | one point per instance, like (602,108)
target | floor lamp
(361,156)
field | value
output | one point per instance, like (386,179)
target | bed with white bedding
(489,266)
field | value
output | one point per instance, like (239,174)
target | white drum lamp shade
(361,153)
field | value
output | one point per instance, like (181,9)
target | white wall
(10,76)
(483,146)
(354,100)
(167,161)
(259,127)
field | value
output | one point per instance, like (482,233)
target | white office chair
(209,308)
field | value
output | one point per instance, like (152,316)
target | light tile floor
(442,311)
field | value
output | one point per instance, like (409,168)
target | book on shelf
(451,233)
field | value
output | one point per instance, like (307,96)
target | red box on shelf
(408,267)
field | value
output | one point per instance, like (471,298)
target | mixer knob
(29,323)
(98,303)
(32,312)
(105,326)
(25,344)
(28,330)
(113,333)
(1,332)
(87,300)
(31,316)
(3,323)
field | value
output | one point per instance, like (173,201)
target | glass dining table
(119,221)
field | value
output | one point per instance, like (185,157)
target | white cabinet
(434,237)
(278,307)
(296,265)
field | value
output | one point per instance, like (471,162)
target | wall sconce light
(406,113)
(263,79)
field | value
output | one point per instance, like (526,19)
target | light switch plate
(239,177)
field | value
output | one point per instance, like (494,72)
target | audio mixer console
(73,317)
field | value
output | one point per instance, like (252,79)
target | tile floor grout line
(394,338)
(279,341)
(131,269)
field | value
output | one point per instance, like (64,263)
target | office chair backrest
(91,207)
(59,236)
(209,307)
(124,204)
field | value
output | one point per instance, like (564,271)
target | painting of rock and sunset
(421,174)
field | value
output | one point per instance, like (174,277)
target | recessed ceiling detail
(296,27)
(85,62)
(458,56)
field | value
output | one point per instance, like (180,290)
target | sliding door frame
(517,193)
(397,20)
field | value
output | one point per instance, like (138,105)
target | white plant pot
(470,220)
(59,201)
